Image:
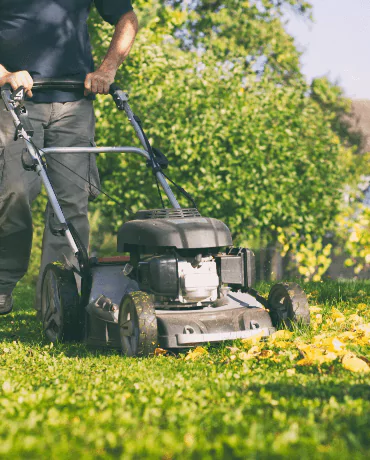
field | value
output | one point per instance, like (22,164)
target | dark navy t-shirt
(49,38)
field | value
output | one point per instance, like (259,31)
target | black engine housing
(176,228)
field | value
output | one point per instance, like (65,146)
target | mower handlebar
(72,84)
(57,84)
(65,84)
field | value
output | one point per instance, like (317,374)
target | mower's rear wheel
(60,307)
(137,324)
(288,306)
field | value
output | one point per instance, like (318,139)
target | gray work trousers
(66,124)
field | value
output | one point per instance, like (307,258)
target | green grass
(70,402)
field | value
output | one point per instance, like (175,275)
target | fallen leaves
(354,364)
(364,328)
(253,339)
(337,315)
(281,335)
(160,352)
(196,353)
(337,332)
(314,354)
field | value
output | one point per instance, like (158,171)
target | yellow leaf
(352,363)
(245,356)
(195,354)
(318,319)
(254,350)
(233,349)
(305,362)
(362,307)
(319,338)
(160,351)
(347,336)
(337,315)
(265,354)
(355,319)
(313,354)
(254,339)
(281,335)
(333,344)
(364,329)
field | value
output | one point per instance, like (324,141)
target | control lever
(25,123)
(18,95)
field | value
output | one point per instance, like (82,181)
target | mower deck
(240,316)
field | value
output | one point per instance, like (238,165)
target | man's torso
(48,38)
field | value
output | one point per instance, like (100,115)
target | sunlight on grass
(298,394)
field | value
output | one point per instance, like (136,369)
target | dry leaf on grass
(281,335)
(233,349)
(364,329)
(354,364)
(160,352)
(196,353)
(265,354)
(333,344)
(363,307)
(337,315)
(355,319)
(244,356)
(313,354)
(252,353)
(253,339)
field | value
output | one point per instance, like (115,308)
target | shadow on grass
(321,390)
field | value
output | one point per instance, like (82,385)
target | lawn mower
(180,282)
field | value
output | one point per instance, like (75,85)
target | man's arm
(122,41)
(16,79)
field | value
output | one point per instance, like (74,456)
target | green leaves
(244,134)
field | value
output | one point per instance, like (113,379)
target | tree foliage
(253,148)
(219,90)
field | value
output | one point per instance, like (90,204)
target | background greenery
(219,89)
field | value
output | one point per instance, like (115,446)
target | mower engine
(187,280)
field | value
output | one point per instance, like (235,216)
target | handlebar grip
(113,88)
(39,84)
(57,84)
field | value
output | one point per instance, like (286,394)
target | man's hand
(122,41)
(17,79)
(98,82)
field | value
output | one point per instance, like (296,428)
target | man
(49,38)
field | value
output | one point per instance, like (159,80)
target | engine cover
(182,232)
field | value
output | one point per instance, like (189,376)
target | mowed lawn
(301,395)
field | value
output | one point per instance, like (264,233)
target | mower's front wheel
(288,305)
(138,324)
(60,305)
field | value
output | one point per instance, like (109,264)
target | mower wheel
(60,305)
(288,305)
(138,324)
